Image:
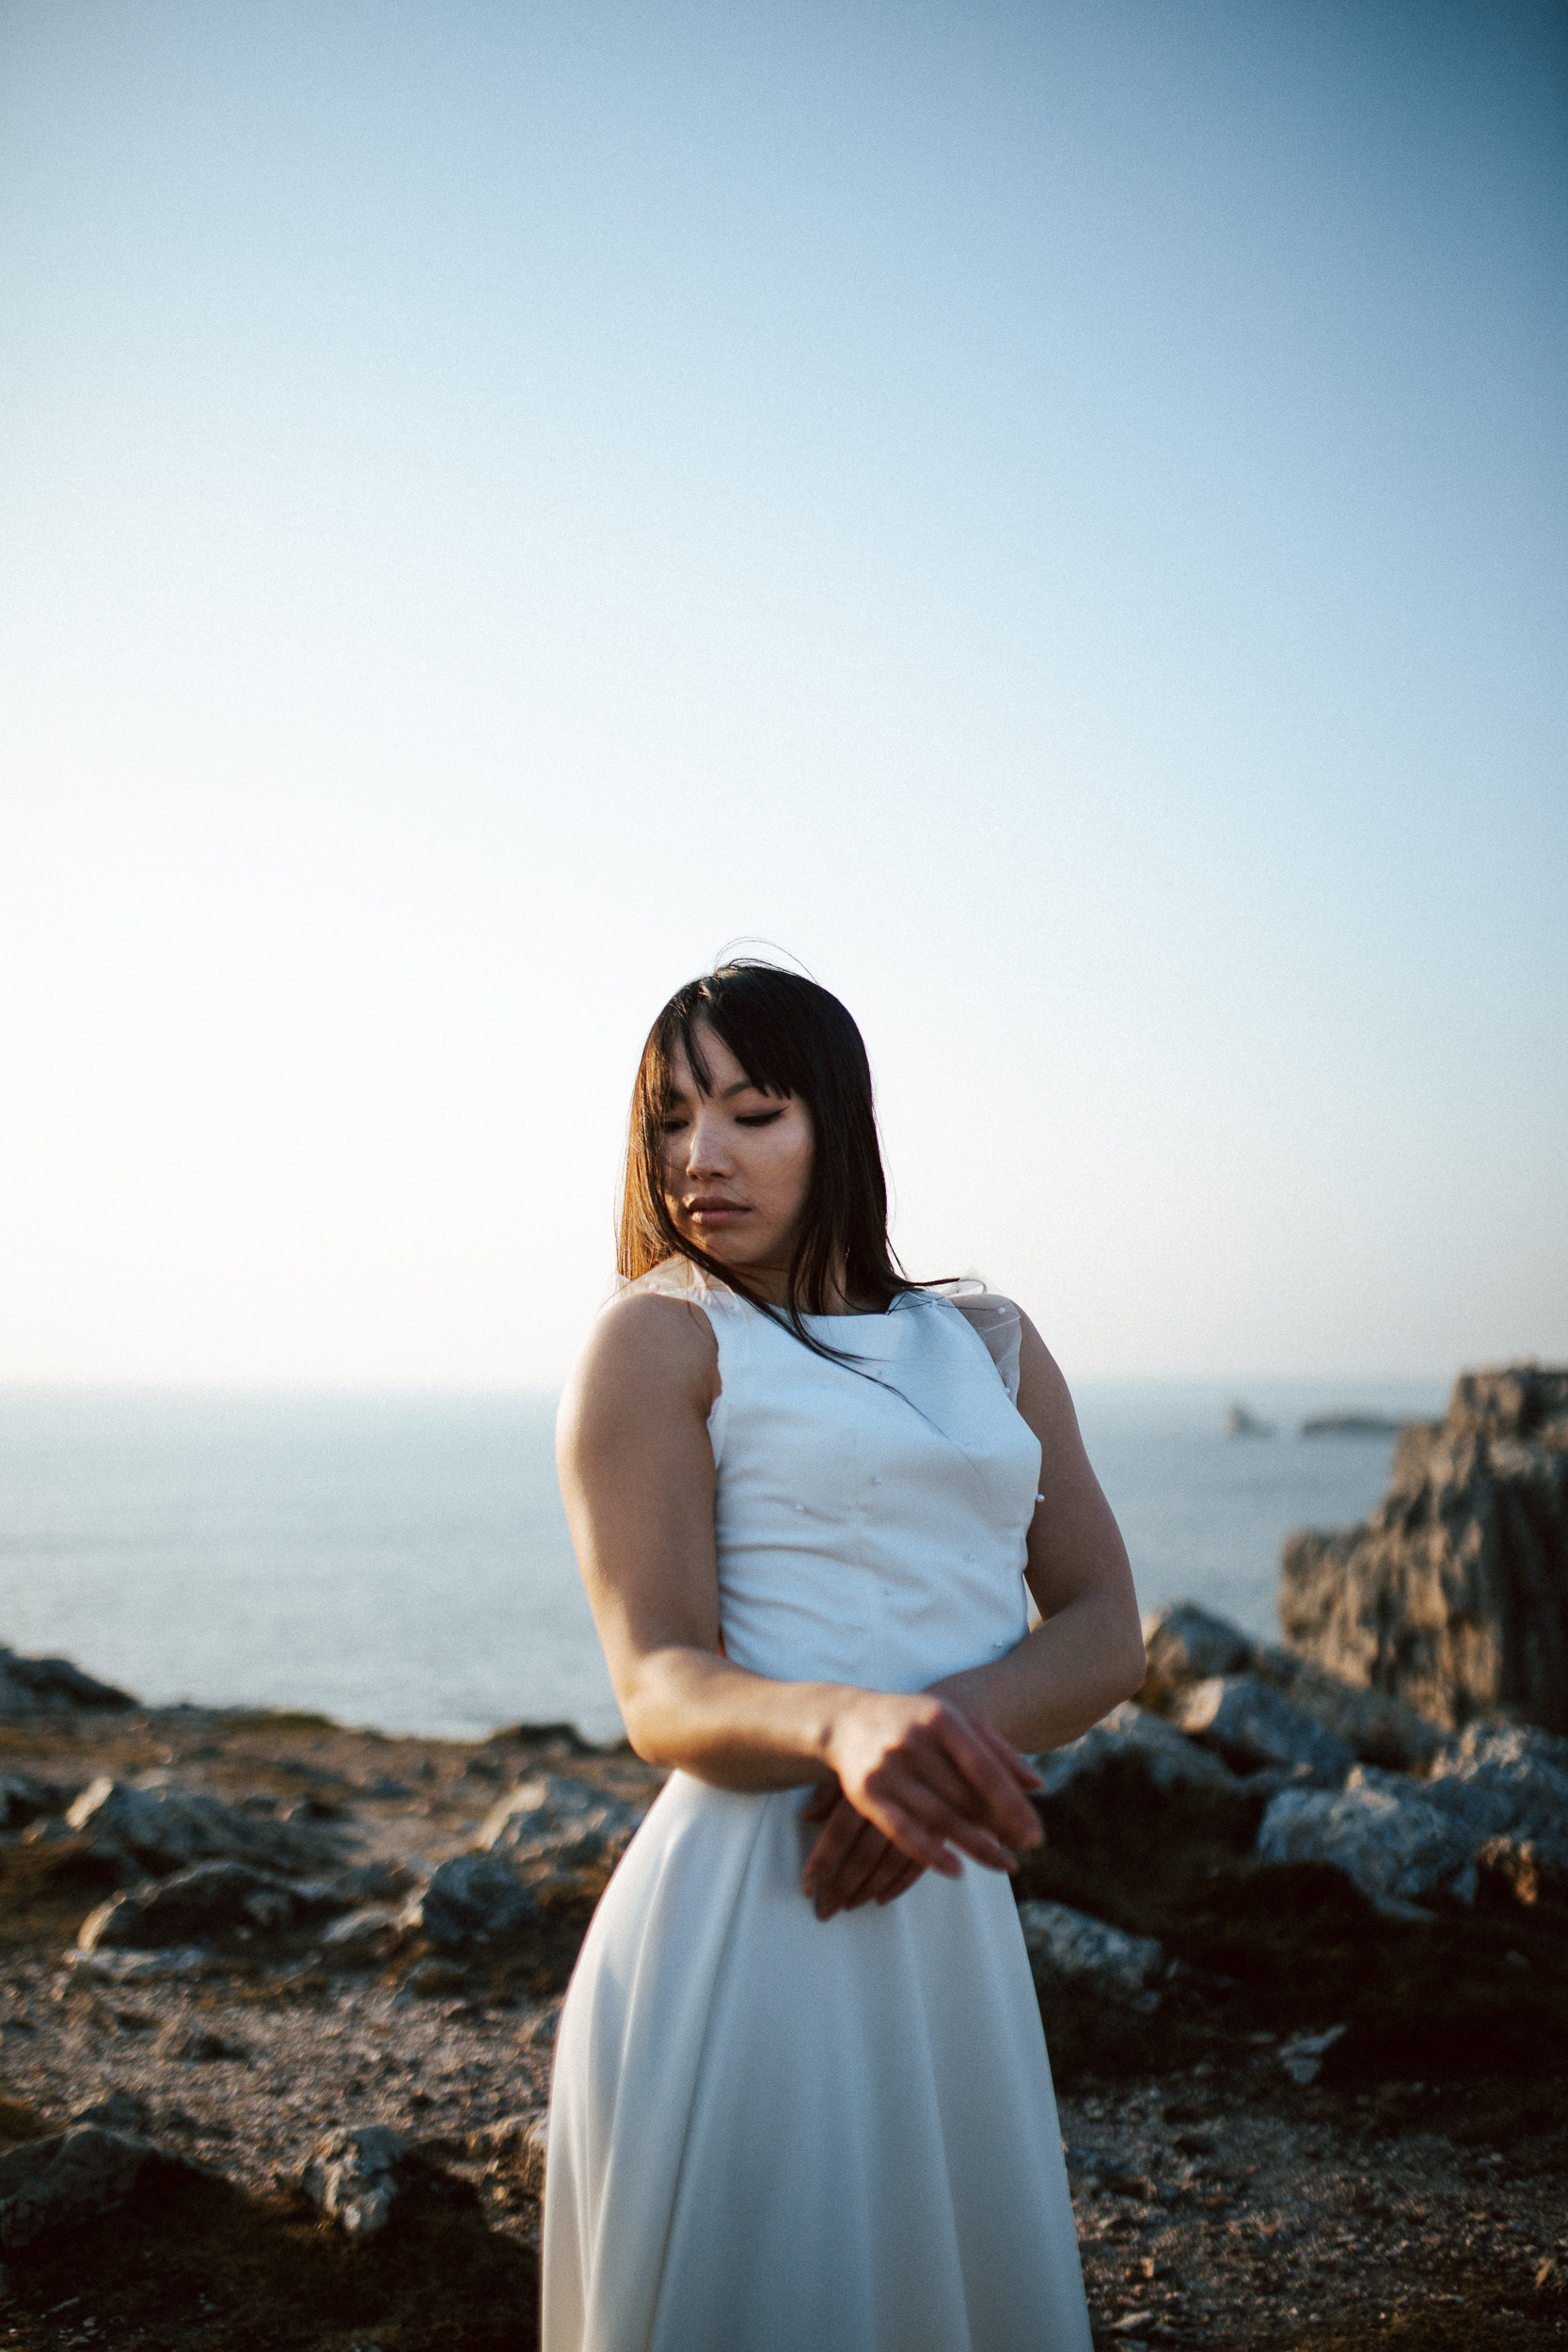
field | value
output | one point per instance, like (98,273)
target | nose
(707,1146)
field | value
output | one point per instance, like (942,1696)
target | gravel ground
(1220,2205)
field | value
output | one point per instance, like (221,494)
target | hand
(924,1773)
(852,1863)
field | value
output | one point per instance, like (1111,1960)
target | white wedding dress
(768,2134)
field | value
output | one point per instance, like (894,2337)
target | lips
(712,1211)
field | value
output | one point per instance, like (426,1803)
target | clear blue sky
(1054,515)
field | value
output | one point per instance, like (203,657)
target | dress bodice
(870,1516)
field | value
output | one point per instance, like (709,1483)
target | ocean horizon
(400,1560)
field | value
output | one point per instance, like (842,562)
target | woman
(801,2100)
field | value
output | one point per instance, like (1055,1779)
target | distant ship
(1238,1422)
(1351,1426)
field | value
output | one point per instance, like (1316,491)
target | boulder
(1385,1832)
(38,1686)
(1382,1729)
(355,2177)
(210,1899)
(471,1898)
(1134,1766)
(24,1799)
(146,1829)
(1131,1733)
(1453,1594)
(563,1835)
(1252,1725)
(45,2183)
(1187,1645)
(1069,1943)
(1507,1785)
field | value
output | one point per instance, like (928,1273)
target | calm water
(404,1560)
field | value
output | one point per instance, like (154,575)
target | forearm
(1062,1676)
(691,1710)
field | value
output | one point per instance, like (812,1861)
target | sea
(401,1560)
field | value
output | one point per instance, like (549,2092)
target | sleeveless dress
(768,2132)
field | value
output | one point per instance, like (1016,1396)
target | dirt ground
(1413,2196)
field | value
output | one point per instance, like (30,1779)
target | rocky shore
(278,2004)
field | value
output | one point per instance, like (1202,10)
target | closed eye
(759,1119)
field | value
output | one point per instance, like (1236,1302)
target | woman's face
(736,1166)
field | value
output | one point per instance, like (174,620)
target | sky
(1052,517)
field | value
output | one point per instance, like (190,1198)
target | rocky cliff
(1453,1595)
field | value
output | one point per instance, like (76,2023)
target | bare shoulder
(1043,1397)
(649,1360)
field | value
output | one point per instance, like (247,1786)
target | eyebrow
(742,1085)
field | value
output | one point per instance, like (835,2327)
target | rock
(470,1898)
(429,1978)
(563,1834)
(1453,1593)
(33,1685)
(1381,1729)
(1187,1645)
(1070,1943)
(194,2044)
(45,2183)
(24,1799)
(522,2141)
(1251,1726)
(121,2111)
(150,1830)
(1131,1733)
(1240,1422)
(1506,1777)
(538,2032)
(1351,1426)
(1136,1767)
(357,2177)
(1383,1833)
(1514,1865)
(1303,2055)
(107,1967)
(376,1882)
(362,1936)
(211,1898)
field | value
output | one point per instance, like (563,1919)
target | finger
(1019,1765)
(971,1775)
(822,1801)
(908,1831)
(1005,1809)
(923,1826)
(840,1831)
(860,1861)
(892,1869)
(921,1775)
(901,1884)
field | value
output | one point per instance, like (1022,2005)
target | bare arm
(637,1478)
(1087,1653)
(1085,1656)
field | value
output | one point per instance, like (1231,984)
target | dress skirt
(774,2133)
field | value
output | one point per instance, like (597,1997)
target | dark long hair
(791,1037)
